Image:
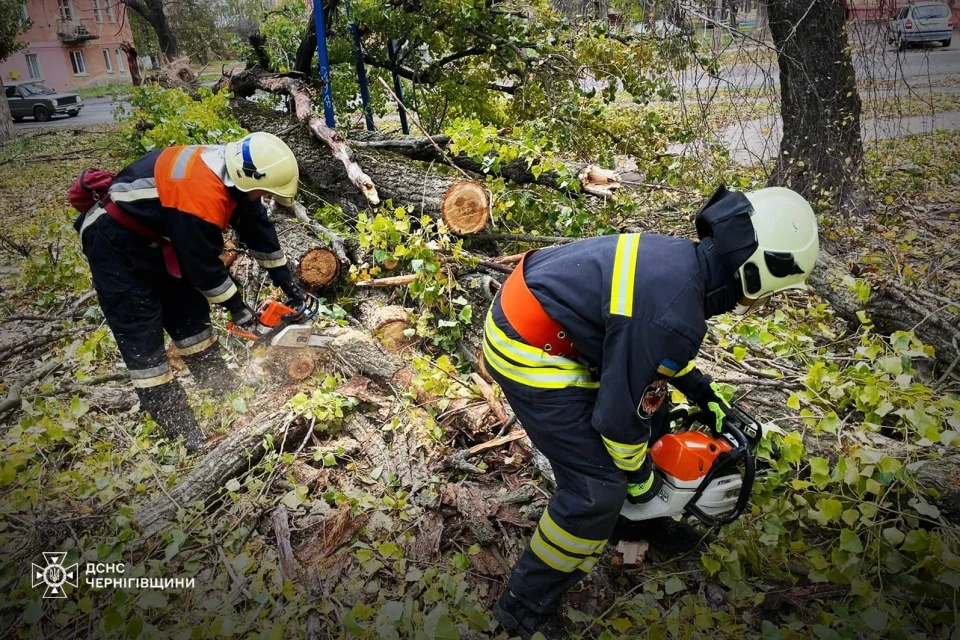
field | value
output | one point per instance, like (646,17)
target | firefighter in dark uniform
(583,338)
(154,248)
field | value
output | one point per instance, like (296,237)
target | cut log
(465,208)
(229,254)
(388,324)
(319,267)
(301,366)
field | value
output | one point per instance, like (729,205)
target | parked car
(40,101)
(922,22)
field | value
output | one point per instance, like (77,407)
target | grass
(105,90)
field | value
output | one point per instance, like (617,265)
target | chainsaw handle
(746,487)
(246,335)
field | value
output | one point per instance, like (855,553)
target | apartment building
(71,44)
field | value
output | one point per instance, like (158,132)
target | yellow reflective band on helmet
(565,540)
(538,377)
(524,353)
(628,457)
(624,274)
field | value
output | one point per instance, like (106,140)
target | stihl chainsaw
(706,476)
(283,326)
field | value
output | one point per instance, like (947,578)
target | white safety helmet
(263,161)
(788,244)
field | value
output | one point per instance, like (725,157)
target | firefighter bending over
(583,338)
(154,245)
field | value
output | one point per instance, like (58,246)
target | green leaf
(112,620)
(621,624)
(794,403)
(831,508)
(769,631)
(916,541)
(875,618)
(710,564)
(78,407)
(674,585)
(830,423)
(820,471)
(239,405)
(851,516)
(950,578)
(578,616)
(850,541)
(233,485)
(924,508)
(893,535)
(150,599)
(739,353)
(33,612)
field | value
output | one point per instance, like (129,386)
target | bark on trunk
(153,12)
(132,64)
(890,308)
(593,180)
(416,187)
(349,351)
(6,118)
(821,154)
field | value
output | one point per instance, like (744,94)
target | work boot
(168,406)
(518,619)
(210,371)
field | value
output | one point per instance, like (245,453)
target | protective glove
(712,402)
(640,489)
(291,289)
(244,317)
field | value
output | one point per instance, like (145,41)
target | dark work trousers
(582,513)
(140,299)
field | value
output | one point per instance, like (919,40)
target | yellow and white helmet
(787,239)
(263,161)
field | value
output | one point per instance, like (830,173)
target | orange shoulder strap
(185,183)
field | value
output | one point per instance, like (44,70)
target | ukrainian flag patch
(668,368)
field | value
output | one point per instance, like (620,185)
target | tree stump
(319,267)
(465,207)
(387,324)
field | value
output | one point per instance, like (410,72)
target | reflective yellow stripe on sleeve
(628,457)
(624,275)
(687,369)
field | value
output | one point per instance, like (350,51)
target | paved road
(911,66)
(95,111)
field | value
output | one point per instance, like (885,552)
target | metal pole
(397,87)
(361,72)
(324,63)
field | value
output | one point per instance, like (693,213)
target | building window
(110,15)
(106,58)
(120,56)
(23,13)
(33,66)
(79,64)
(97,11)
(66,11)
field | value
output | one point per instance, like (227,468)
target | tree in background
(196,26)
(12,26)
(153,13)
(821,154)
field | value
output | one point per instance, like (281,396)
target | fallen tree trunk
(889,307)
(388,324)
(245,83)
(346,350)
(591,179)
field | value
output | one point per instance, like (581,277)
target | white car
(919,22)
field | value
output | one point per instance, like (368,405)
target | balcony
(74,31)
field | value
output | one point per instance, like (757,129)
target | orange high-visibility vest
(185,183)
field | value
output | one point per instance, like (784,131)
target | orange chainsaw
(706,476)
(282,326)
